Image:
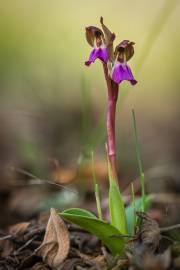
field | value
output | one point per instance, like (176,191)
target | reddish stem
(111,117)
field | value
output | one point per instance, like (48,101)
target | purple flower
(100,53)
(122,72)
(101,41)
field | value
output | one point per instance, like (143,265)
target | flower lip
(122,72)
(99,52)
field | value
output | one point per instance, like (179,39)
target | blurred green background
(53,106)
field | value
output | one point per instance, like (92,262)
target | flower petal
(91,33)
(122,72)
(100,53)
(125,47)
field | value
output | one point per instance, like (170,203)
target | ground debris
(151,261)
(149,232)
(19,242)
(19,228)
(22,247)
(85,242)
(40,266)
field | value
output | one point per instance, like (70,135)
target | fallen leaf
(7,248)
(19,228)
(100,262)
(56,244)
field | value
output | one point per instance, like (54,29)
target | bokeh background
(52,107)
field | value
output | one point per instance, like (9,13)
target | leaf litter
(48,242)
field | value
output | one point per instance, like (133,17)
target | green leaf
(136,205)
(79,212)
(116,205)
(104,231)
(117,210)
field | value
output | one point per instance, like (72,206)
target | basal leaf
(101,229)
(131,221)
(116,207)
(79,212)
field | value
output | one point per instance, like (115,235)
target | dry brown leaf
(19,228)
(7,248)
(100,262)
(56,244)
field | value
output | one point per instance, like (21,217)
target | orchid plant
(116,233)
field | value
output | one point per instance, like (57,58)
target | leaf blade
(101,229)
(116,206)
(79,212)
(135,206)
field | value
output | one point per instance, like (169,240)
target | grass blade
(138,155)
(96,190)
(133,206)
(136,206)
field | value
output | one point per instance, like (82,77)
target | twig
(170,228)
(25,245)
(37,181)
